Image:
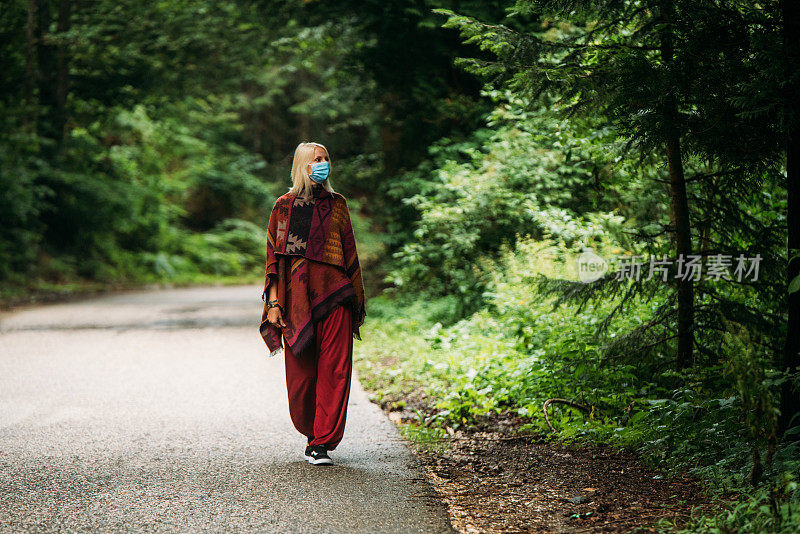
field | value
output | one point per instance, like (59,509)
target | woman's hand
(274,314)
(274,317)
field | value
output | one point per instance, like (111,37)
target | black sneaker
(318,455)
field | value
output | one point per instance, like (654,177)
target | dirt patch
(494,480)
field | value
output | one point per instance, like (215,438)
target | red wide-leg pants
(318,382)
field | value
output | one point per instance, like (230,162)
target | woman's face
(319,155)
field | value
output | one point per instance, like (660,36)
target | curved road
(161,411)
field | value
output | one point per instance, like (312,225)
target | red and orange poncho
(311,254)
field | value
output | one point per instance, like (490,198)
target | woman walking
(314,300)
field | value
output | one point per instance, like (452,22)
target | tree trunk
(30,64)
(389,133)
(62,76)
(683,244)
(790,396)
(46,63)
(679,212)
(53,64)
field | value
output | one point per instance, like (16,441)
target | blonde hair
(301,182)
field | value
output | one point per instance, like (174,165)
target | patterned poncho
(311,254)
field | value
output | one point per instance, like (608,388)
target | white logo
(591,266)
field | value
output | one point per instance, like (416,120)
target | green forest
(589,203)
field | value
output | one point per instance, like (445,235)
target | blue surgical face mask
(320,171)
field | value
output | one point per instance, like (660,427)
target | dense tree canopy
(483,146)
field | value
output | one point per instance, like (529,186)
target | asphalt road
(161,411)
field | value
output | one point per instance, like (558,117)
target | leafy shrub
(530,175)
